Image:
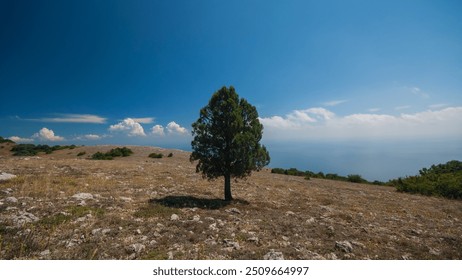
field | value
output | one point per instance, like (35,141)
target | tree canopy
(227,139)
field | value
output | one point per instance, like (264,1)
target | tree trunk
(228,196)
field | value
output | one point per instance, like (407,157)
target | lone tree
(226,139)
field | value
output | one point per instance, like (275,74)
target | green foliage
(73,212)
(278,170)
(440,180)
(290,171)
(32,150)
(227,139)
(81,154)
(355,178)
(155,210)
(170,155)
(320,175)
(4,140)
(117,152)
(101,156)
(156,155)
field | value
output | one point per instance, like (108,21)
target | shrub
(32,150)
(117,152)
(278,171)
(81,154)
(156,155)
(355,178)
(4,140)
(170,155)
(440,180)
(101,156)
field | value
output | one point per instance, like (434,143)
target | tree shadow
(187,201)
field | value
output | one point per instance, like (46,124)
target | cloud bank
(130,126)
(172,129)
(322,124)
(46,134)
(133,128)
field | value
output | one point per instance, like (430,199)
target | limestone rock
(233,211)
(82,196)
(11,199)
(136,248)
(6,176)
(273,255)
(344,246)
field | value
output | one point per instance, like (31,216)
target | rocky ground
(64,206)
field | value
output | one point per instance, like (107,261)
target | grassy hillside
(62,206)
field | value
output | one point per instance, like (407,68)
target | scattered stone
(126,199)
(331,230)
(310,221)
(331,256)
(234,245)
(7,191)
(138,231)
(233,211)
(136,248)
(196,218)
(344,246)
(174,217)
(11,199)
(290,213)
(358,244)
(221,223)
(82,196)
(254,239)
(406,257)
(45,253)
(434,252)
(170,255)
(213,227)
(273,255)
(24,217)
(6,176)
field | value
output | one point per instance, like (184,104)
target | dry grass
(129,216)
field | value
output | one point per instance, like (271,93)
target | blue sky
(339,85)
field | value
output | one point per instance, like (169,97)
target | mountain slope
(63,206)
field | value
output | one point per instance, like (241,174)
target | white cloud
(130,126)
(46,134)
(18,139)
(158,130)
(144,120)
(74,118)
(334,103)
(417,91)
(174,128)
(437,106)
(92,137)
(328,126)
